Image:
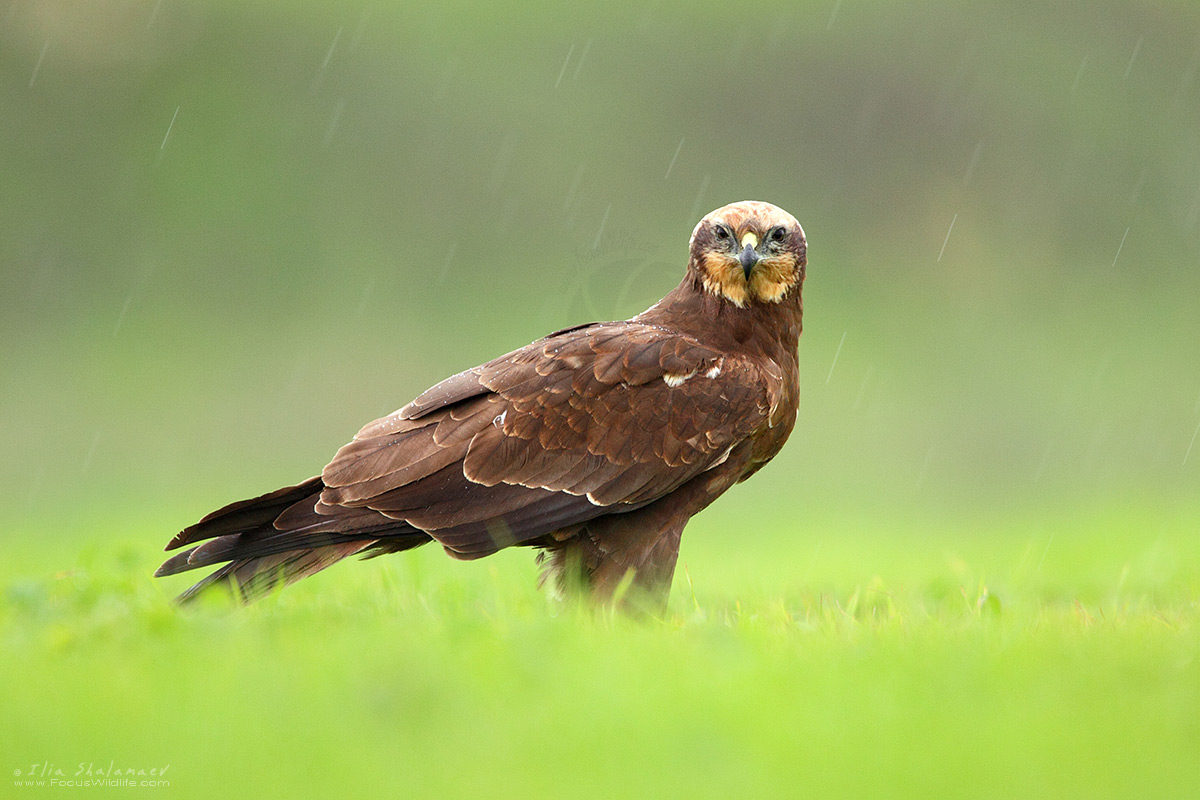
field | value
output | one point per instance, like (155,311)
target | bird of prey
(595,444)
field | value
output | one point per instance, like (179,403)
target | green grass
(954,662)
(973,571)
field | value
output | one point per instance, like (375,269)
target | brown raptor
(595,444)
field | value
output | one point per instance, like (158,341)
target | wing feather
(579,424)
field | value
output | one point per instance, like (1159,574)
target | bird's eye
(723,233)
(778,234)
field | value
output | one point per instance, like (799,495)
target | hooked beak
(748,257)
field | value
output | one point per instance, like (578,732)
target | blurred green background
(231,233)
(234,232)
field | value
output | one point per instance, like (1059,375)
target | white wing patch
(720,460)
(674,379)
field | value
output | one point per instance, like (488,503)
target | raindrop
(947,239)
(924,469)
(332,47)
(603,222)
(627,286)
(1191,443)
(581,286)
(153,15)
(333,122)
(974,161)
(1041,561)
(87,460)
(38,66)
(694,217)
(862,388)
(671,166)
(1079,74)
(450,251)
(163,146)
(1133,57)
(121,316)
(833,16)
(574,187)
(835,358)
(1122,244)
(563,71)
(579,64)
(320,76)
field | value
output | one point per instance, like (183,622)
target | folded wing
(595,420)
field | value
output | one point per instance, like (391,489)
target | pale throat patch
(769,281)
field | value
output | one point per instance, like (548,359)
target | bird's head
(749,252)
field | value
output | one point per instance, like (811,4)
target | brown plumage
(595,444)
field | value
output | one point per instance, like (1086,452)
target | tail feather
(251,578)
(239,547)
(262,556)
(247,515)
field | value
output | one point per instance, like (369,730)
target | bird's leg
(626,560)
(644,589)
